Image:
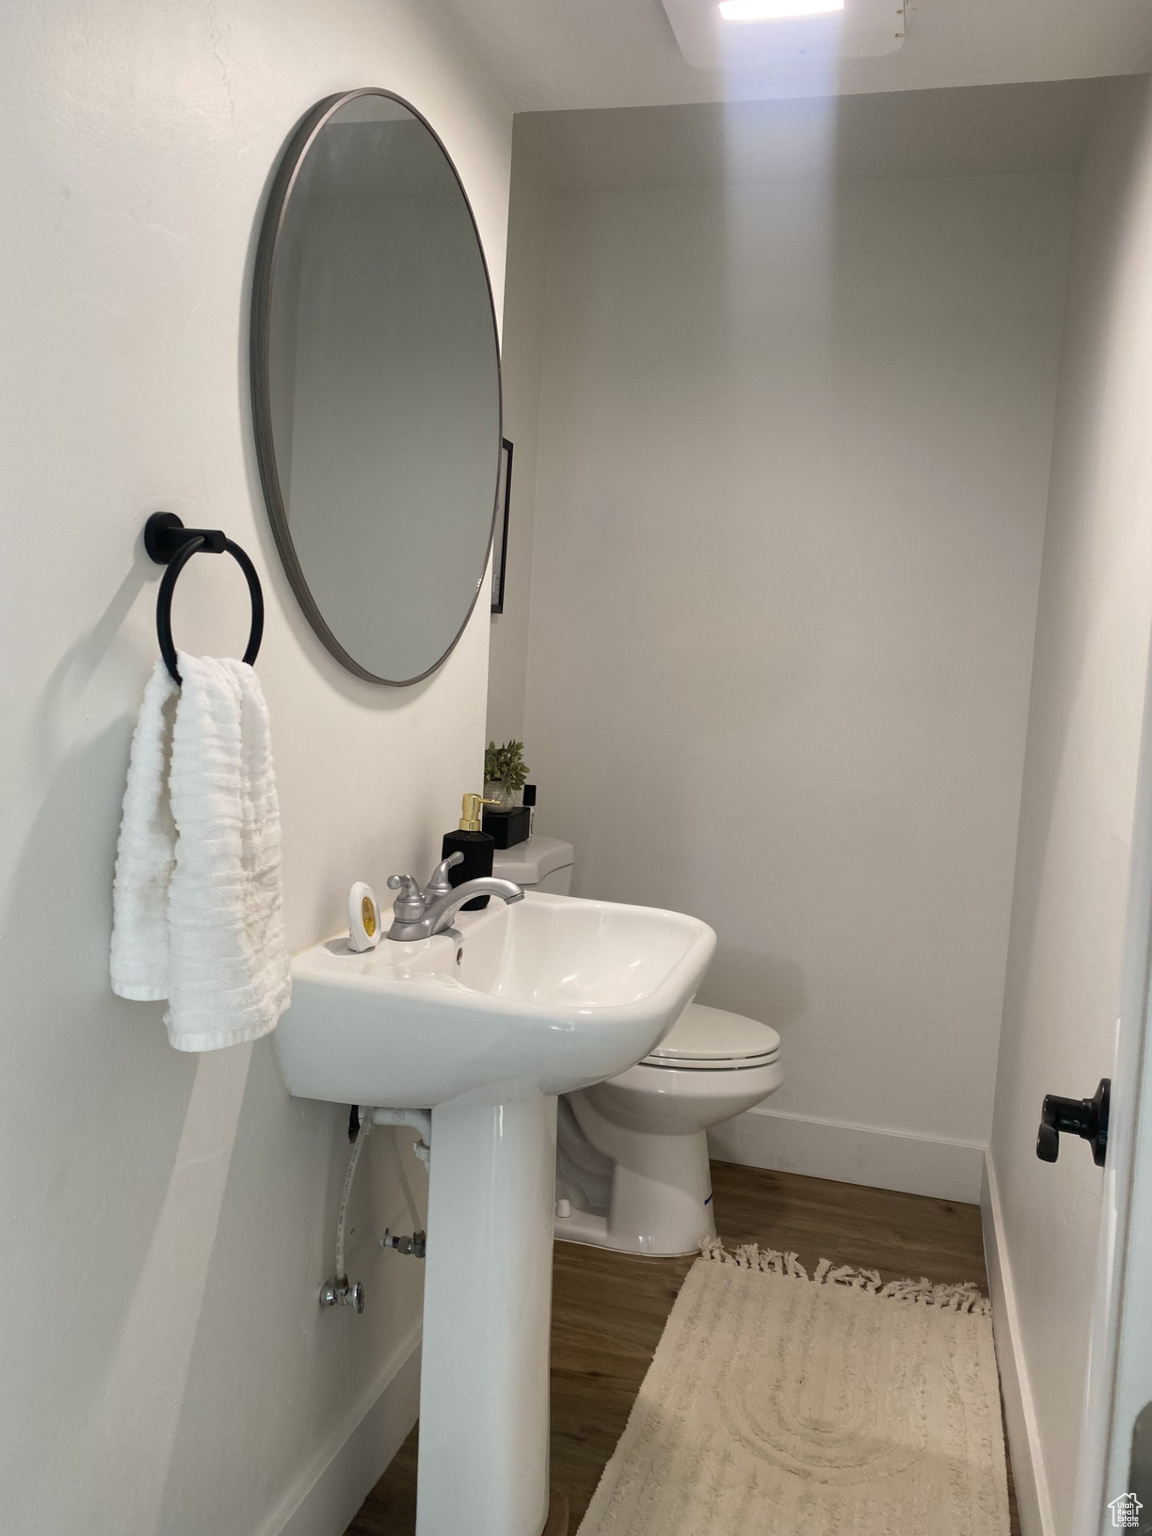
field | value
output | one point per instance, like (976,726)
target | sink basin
(485,1025)
(549,994)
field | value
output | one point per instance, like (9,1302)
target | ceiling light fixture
(776,10)
(797,46)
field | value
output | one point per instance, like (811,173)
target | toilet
(540,864)
(632,1168)
(632,1153)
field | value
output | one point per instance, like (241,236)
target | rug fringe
(965,1297)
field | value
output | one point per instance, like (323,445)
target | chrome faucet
(419,914)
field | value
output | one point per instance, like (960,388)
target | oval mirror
(376,385)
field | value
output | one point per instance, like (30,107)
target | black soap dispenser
(477,846)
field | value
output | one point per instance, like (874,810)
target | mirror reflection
(376,386)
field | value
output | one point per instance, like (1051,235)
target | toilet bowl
(632,1152)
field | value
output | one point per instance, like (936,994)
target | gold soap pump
(477,846)
(470,816)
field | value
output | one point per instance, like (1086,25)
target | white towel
(197,907)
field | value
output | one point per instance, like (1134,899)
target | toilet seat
(712,1040)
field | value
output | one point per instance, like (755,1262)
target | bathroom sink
(484,1025)
(551,993)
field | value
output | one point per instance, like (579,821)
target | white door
(1113,1493)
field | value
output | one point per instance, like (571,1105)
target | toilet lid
(704,1036)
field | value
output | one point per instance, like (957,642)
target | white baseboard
(852,1154)
(327,1495)
(1028,1471)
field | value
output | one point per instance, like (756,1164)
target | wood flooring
(609,1310)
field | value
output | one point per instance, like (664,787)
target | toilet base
(592,1232)
(660,1201)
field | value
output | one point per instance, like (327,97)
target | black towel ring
(169,543)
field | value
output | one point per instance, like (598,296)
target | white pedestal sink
(485,1025)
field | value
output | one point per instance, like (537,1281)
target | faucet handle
(409,905)
(440,885)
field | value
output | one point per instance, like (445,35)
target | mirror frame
(287,171)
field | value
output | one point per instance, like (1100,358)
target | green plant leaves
(505,765)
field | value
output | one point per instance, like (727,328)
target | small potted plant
(505,772)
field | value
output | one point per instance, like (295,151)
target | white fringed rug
(786,1405)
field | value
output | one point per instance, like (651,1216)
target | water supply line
(420,1120)
(365,1130)
(402,1175)
(339,1292)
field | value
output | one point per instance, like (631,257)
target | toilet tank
(540,864)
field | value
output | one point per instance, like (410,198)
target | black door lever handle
(1086,1118)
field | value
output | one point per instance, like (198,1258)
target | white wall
(793,468)
(167,1219)
(522,364)
(1064,970)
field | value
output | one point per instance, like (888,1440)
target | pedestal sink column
(487,1309)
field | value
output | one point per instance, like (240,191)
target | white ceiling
(551,54)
